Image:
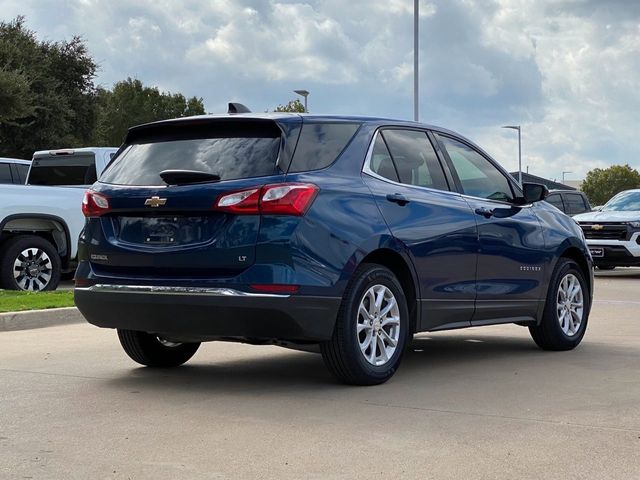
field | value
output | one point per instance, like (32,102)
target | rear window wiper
(185,177)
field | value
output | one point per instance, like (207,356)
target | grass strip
(17,301)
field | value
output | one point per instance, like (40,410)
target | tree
(47,95)
(131,103)
(294,106)
(15,98)
(601,184)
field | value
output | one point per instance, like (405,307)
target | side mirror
(534,192)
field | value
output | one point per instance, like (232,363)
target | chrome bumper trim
(165,290)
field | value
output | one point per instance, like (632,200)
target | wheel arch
(403,270)
(575,254)
(50,227)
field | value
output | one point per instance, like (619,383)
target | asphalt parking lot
(478,403)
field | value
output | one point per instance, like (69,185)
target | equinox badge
(155,201)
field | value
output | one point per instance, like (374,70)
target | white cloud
(568,71)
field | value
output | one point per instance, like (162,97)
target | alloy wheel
(32,269)
(378,325)
(570,304)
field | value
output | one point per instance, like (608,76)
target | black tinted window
(229,158)
(77,169)
(5,173)
(556,200)
(22,170)
(320,144)
(575,203)
(381,162)
(415,159)
(478,176)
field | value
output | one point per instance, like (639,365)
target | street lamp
(517,127)
(305,94)
(416,16)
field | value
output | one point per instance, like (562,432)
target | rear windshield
(77,169)
(230,158)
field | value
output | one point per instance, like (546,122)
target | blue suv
(341,234)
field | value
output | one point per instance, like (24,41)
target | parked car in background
(613,231)
(571,202)
(346,234)
(13,170)
(40,222)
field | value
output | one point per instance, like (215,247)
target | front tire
(29,263)
(566,311)
(371,330)
(153,351)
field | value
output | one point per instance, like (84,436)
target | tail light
(94,204)
(276,199)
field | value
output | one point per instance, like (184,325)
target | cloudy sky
(568,71)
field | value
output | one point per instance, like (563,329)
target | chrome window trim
(366,169)
(168,290)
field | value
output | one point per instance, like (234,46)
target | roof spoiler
(237,108)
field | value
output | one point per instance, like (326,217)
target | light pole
(305,94)
(566,171)
(416,16)
(517,127)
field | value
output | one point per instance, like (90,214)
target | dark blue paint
(465,267)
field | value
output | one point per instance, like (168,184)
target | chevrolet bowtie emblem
(596,227)
(155,201)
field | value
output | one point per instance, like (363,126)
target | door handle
(485,212)
(398,198)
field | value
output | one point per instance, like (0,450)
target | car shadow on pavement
(428,356)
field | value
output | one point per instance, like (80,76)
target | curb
(31,319)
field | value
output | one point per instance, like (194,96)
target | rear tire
(152,351)
(566,311)
(29,263)
(371,329)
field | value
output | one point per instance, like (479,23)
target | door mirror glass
(534,192)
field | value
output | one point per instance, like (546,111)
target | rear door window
(76,169)
(230,157)
(22,171)
(415,159)
(555,199)
(381,161)
(5,173)
(575,203)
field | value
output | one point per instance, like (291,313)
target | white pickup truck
(40,222)
(613,231)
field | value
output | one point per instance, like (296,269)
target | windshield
(624,202)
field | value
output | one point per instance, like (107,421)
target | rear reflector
(275,288)
(276,199)
(94,204)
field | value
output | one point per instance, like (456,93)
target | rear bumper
(208,313)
